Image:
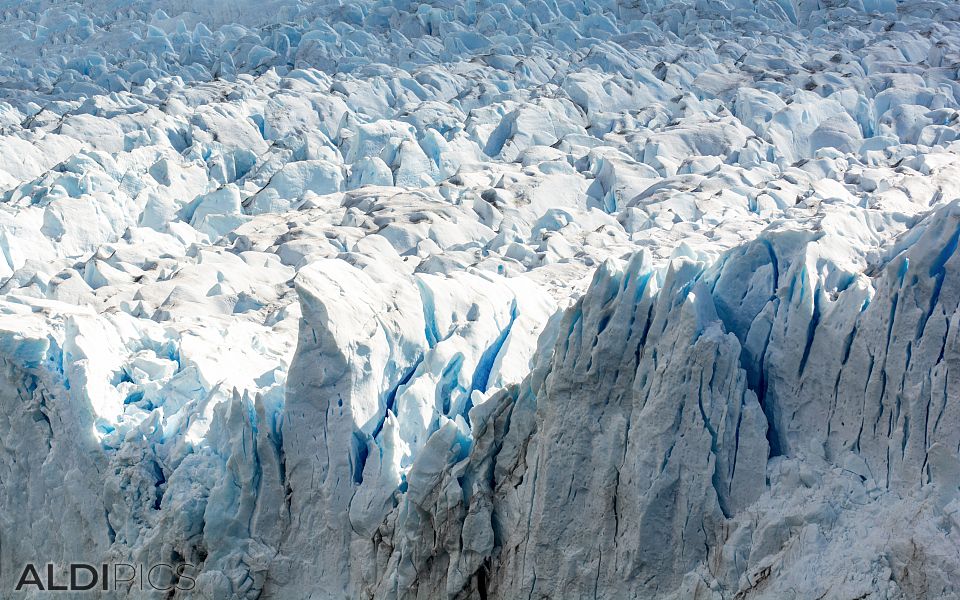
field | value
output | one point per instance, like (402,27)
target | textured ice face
(522,299)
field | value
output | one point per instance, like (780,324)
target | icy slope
(483,300)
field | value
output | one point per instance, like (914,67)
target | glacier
(482,299)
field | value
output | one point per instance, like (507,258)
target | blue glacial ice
(546,299)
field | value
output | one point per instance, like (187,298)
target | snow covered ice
(544,299)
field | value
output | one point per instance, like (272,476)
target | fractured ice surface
(549,299)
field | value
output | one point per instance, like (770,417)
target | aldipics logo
(80,577)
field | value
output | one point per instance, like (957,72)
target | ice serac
(49,457)
(853,385)
(380,397)
(645,430)
(343,351)
(650,420)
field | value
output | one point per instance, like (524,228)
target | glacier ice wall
(555,299)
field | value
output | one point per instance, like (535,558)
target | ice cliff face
(483,300)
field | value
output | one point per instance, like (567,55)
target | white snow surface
(481,299)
